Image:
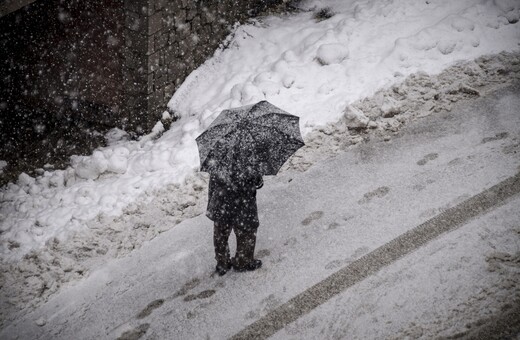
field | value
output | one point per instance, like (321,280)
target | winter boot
(223,269)
(253,265)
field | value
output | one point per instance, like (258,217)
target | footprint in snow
(290,242)
(455,161)
(135,333)
(263,253)
(379,192)
(187,287)
(202,295)
(427,158)
(149,309)
(315,215)
(332,226)
(498,136)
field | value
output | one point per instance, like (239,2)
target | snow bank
(58,203)
(41,273)
(314,69)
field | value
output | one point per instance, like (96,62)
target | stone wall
(110,62)
(165,41)
(71,69)
(55,53)
(60,80)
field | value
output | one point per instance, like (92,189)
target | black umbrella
(256,139)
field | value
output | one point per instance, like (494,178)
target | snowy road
(383,256)
(317,223)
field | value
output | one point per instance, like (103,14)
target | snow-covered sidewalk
(356,72)
(344,67)
(313,64)
(315,222)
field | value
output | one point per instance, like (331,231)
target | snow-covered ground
(373,65)
(310,67)
(315,223)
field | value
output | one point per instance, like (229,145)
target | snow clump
(355,118)
(89,167)
(328,54)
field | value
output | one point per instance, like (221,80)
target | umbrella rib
(288,115)
(211,147)
(253,137)
(273,127)
(278,130)
(268,127)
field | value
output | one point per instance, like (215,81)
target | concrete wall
(60,81)
(64,58)
(165,41)
(110,62)
(9,6)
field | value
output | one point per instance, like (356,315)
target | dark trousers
(246,241)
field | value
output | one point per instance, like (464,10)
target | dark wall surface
(57,55)
(60,76)
(72,69)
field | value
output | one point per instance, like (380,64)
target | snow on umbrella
(255,139)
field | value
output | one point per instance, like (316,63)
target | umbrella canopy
(256,139)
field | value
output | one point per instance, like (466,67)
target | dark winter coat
(233,200)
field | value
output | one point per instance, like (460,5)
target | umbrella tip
(262,103)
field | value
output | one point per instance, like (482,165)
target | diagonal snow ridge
(313,69)
(383,256)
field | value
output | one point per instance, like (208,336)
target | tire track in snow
(383,256)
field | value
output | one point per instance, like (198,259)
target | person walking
(239,147)
(232,206)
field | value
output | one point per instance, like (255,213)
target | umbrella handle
(260,183)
